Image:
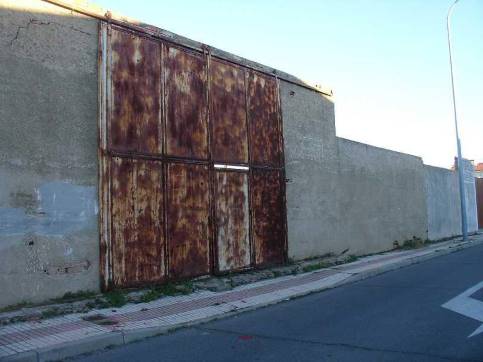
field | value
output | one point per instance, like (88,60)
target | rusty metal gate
(192,177)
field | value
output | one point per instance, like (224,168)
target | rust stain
(137,229)
(268,216)
(264,120)
(232,220)
(186,104)
(228,113)
(188,211)
(134,123)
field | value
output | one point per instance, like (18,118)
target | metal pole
(464,223)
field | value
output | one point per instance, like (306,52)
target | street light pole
(464,223)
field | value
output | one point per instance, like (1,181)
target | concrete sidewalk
(74,334)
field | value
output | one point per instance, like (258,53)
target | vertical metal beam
(464,222)
(104,168)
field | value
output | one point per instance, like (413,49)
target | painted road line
(467,306)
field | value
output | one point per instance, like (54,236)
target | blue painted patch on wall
(62,208)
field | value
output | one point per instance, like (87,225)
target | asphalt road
(396,316)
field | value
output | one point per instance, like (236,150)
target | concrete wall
(381,197)
(470,194)
(312,171)
(48,152)
(443,203)
(343,194)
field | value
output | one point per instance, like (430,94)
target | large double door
(191,155)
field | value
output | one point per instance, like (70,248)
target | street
(396,316)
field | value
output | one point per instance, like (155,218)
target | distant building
(479,170)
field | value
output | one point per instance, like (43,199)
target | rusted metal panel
(268,216)
(479,201)
(135,117)
(186,103)
(188,210)
(138,242)
(228,113)
(232,220)
(264,120)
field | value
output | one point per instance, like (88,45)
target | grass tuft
(115,298)
(316,266)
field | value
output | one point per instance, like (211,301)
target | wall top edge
(91,10)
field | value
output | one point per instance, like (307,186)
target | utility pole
(464,222)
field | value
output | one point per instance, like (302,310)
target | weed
(413,243)
(150,295)
(51,312)
(115,298)
(276,273)
(316,266)
(352,258)
(186,287)
(10,308)
(167,290)
(72,297)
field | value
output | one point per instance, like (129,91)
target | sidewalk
(75,334)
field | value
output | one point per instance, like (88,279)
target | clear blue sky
(386,60)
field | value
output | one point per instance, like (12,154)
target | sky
(385,60)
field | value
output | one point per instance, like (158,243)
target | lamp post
(464,223)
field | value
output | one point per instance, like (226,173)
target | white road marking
(467,306)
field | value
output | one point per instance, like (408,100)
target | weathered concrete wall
(311,170)
(381,197)
(344,195)
(48,152)
(443,203)
(470,193)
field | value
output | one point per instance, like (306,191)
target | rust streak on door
(188,212)
(137,221)
(134,124)
(264,119)
(186,104)
(228,113)
(232,220)
(268,216)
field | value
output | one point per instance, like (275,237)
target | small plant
(352,258)
(51,312)
(72,297)
(150,295)
(277,273)
(167,290)
(10,308)
(413,243)
(316,266)
(186,287)
(115,298)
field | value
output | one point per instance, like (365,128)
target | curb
(116,338)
